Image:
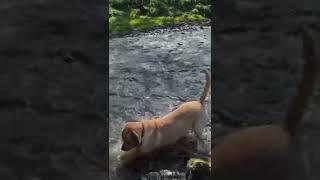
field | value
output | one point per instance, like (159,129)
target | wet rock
(164,174)
(198,169)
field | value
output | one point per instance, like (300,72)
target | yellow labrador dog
(145,136)
(270,152)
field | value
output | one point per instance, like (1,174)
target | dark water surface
(259,65)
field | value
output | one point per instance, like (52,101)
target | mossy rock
(198,169)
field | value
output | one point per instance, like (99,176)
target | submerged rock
(198,169)
(164,174)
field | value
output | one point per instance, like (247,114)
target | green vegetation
(138,15)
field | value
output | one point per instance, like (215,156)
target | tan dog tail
(206,87)
(306,88)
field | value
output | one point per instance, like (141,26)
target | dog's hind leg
(197,129)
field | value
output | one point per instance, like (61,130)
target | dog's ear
(135,136)
(131,139)
(133,131)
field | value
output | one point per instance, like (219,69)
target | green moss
(194,17)
(119,24)
(140,23)
(194,163)
(115,12)
(198,169)
(203,9)
(126,15)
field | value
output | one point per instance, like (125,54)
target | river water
(152,73)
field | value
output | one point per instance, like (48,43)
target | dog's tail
(306,88)
(206,87)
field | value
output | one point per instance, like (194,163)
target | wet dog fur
(145,136)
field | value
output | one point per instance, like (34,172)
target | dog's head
(131,135)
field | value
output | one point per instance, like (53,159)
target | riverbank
(139,16)
(184,26)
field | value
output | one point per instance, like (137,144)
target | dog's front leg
(129,156)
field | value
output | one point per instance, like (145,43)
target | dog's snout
(124,148)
